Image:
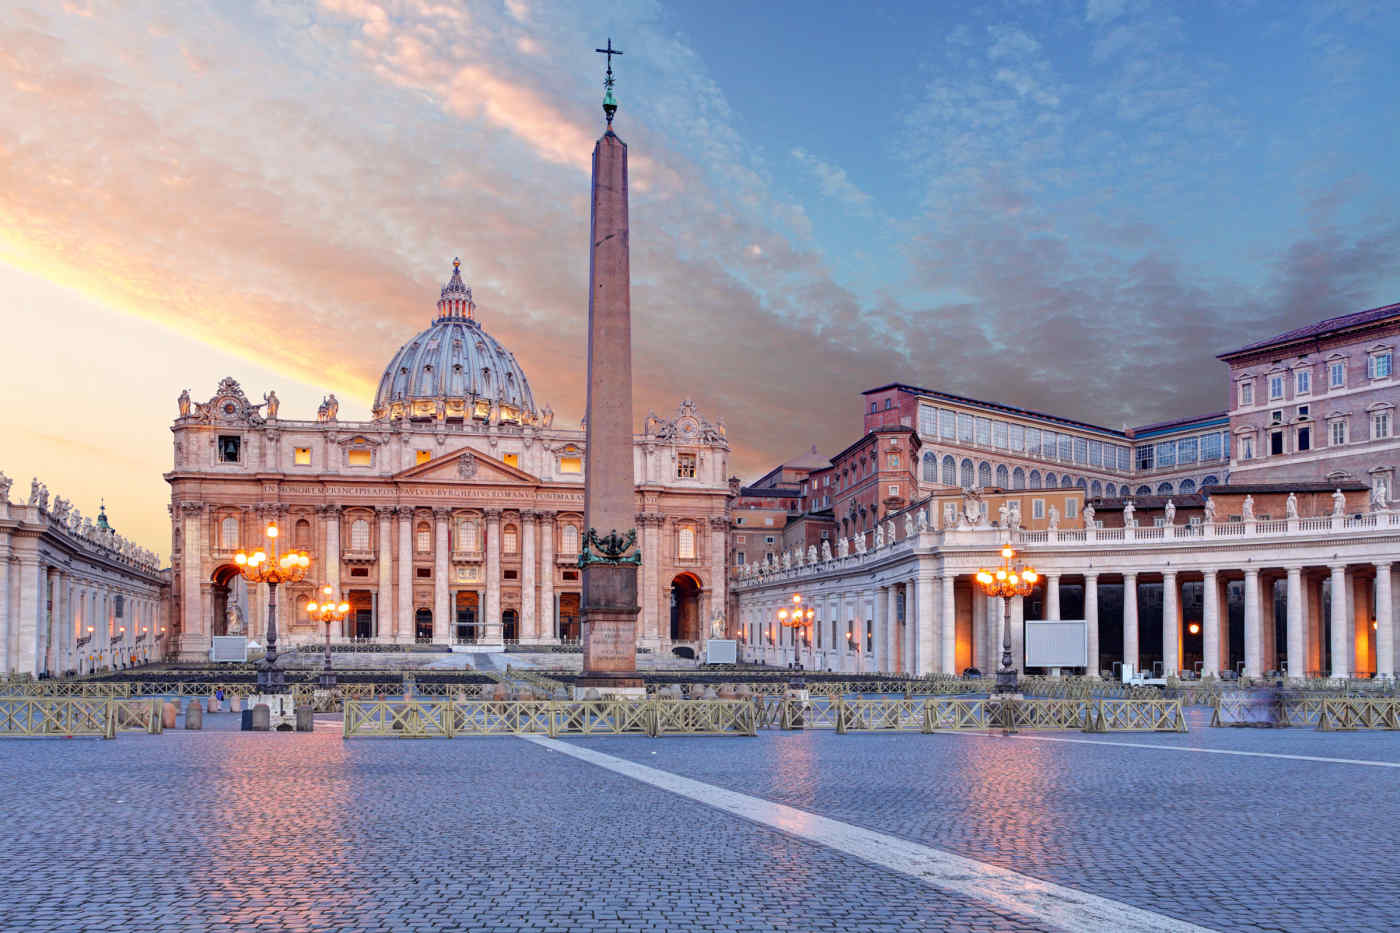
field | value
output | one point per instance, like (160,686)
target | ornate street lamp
(1007,581)
(327,612)
(272,569)
(796,618)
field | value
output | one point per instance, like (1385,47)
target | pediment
(467,466)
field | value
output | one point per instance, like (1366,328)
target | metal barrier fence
(1325,713)
(1351,713)
(451,718)
(72,716)
(937,714)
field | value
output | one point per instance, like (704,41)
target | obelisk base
(610,630)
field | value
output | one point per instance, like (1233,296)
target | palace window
(1017,438)
(1337,432)
(1081,450)
(1096,453)
(468,535)
(301,456)
(1071,507)
(1144,457)
(358,458)
(424,538)
(1018,478)
(928,421)
(685,543)
(359,535)
(894,489)
(1275,443)
(685,466)
(422,456)
(570,539)
(1303,382)
(1304,411)
(1378,365)
(1186,450)
(967,476)
(1380,424)
(1246,394)
(984,474)
(1337,374)
(947,424)
(950,471)
(509,540)
(1037,508)
(1001,434)
(1003,477)
(984,431)
(570,464)
(930,470)
(1246,446)
(230,446)
(1210,447)
(1276,386)
(511,460)
(965,429)
(228,533)
(423,573)
(1066,447)
(1304,439)
(1033,442)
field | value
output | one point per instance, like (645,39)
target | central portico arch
(685,607)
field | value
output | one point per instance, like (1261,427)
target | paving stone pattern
(224,830)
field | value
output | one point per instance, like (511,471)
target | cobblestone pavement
(223,830)
(1222,840)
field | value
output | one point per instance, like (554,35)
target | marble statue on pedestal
(1290,506)
(1247,509)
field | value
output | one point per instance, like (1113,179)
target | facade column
(529,621)
(384,599)
(442,605)
(1312,623)
(981,637)
(894,656)
(883,600)
(1268,635)
(1130,621)
(1385,622)
(1297,653)
(29,610)
(650,525)
(330,562)
(1253,637)
(1341,645)
(1171,624)
(493,576)
(404,596)
(7,619)
(1052,596)
(1091,619)
(1210,624)
(194,633)
(546,603)
(927,620)
(948,629)
(1018,633)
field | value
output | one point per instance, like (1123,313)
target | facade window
(889,403)
(872,408)
(685,466)
(358,458)
(1246,446)
(301,456)
(1017,437)
(230,446)
(425,538)
(1275,443)
(1380,424)
(966,474)
(1096,490)
(570,464)
(768,539)
(1018,478)
(359,535)
(1378,365)
(947,424)
(1001,434)
(1144,457)
(1186,451)
(930,467)
(1125,459)
(984,431)
(1246,394)
(1276,386)
(1337,432)
(468,535)
(1336,374)
(965,429)
(1302,382)
(510,540)
(685,543)
(894,490)
(569,539)
(1304,411)
(1033,441)
(1210,447)
(1096,453)
(1304,439)
(984,474)
(228,534)
(928,420)
(1033,481)
(950,471)
(1066,444)
(1037,508)
(739,558)
(1003,477)
(422,456)
(1081,450)
(1071,507)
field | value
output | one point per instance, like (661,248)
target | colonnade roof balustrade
(1317,541)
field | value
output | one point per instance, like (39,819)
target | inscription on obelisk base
(609,556)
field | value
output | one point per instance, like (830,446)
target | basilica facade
(453,516)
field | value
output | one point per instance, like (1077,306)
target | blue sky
(1066,205)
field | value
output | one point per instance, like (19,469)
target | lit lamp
(1194,628)
(327,611)
(796,618)
(273,569)
(1007,581)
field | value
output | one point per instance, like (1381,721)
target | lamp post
(328,611)
(1007,581)
(796,618)
(272,569)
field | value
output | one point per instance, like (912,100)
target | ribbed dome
(454,369)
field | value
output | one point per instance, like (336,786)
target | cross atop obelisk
(609,556)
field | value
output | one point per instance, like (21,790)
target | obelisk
(609,557)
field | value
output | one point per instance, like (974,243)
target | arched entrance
(468,606)
(685,607)
(228,588)
(423,625)
(510,625)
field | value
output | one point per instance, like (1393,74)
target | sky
(1070,206)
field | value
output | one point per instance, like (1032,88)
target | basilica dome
(454,370)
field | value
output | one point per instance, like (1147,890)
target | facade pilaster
(1210,624)
(384,599)
(719,537)
(545,607)
(1253,637)
(7,618)
(1130,621)
(29,608)
(331,560)
(883,601)
(948,626)
(651,636)
(1091,619)
(1018,633)
(1341,645)
(194,630)
(493,576)
(404,597)
(1052,596)
(442,608)
(1268,635)
(1171,624)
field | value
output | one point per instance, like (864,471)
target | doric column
(948,625)
(1312,622)
(529,620)
(1297,652)
(1091,619)
(404,597)
(7,619)
(331,559)
(928,618)
(883,601)
(1253,647)
(29,608)
(651,635)
(442,608)
(1210,624)
(1341,645)
(981,637)
(1130,620)
(493,576)
(1171,624)
(545,608)
(1385,622)
(1052,596)
(384,599)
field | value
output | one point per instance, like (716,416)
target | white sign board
(1057,643)
(721,651)
(228,649)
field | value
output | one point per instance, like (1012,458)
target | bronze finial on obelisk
(609,556)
